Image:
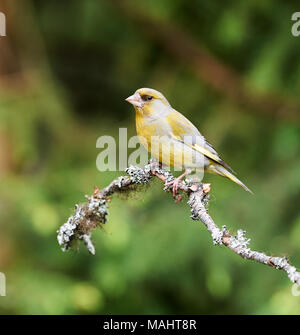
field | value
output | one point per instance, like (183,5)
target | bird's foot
(175,184)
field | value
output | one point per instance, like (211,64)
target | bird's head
(145,98)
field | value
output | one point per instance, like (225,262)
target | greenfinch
(161,128)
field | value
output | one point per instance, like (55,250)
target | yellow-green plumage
(159,126)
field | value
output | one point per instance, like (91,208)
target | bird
(172,139)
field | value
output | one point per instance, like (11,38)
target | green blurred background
(232,67)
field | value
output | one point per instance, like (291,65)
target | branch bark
(93,213)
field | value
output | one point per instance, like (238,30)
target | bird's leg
(175,183)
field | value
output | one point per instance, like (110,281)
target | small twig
(91,214)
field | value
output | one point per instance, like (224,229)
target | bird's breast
(155,137)
(148,128)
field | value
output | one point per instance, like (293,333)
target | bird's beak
(135,100)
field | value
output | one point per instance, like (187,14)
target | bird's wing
(181,129)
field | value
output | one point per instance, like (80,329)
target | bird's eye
(147,97)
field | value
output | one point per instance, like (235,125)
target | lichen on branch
(93,213)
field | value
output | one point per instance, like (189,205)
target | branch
(93,213)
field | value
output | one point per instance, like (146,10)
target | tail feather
(221,171)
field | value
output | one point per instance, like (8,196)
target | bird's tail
(221,171)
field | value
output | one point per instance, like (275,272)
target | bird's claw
(175,185)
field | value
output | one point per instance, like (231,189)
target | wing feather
(184,131)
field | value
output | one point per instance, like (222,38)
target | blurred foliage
(75,62)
